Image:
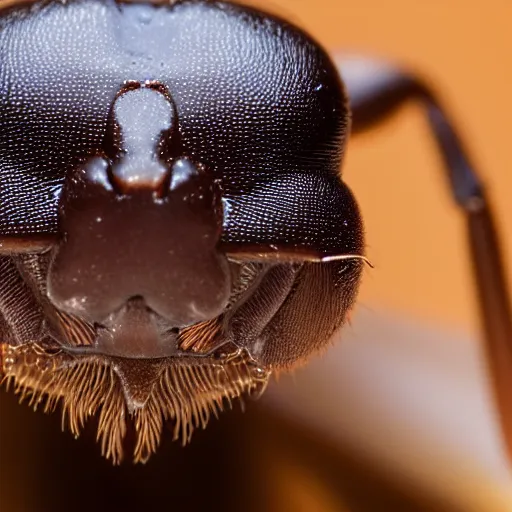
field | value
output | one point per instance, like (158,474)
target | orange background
(415,236)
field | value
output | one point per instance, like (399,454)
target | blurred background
(397,415)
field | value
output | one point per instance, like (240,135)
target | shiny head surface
(173,223)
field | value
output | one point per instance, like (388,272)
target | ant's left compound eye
(173,223)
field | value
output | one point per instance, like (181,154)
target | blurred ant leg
(376,90)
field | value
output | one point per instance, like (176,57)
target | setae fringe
(184,395)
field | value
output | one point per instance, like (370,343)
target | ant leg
(377,90)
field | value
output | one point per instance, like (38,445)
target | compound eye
(295,217)
(140,221)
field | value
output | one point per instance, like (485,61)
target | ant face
(175,225)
